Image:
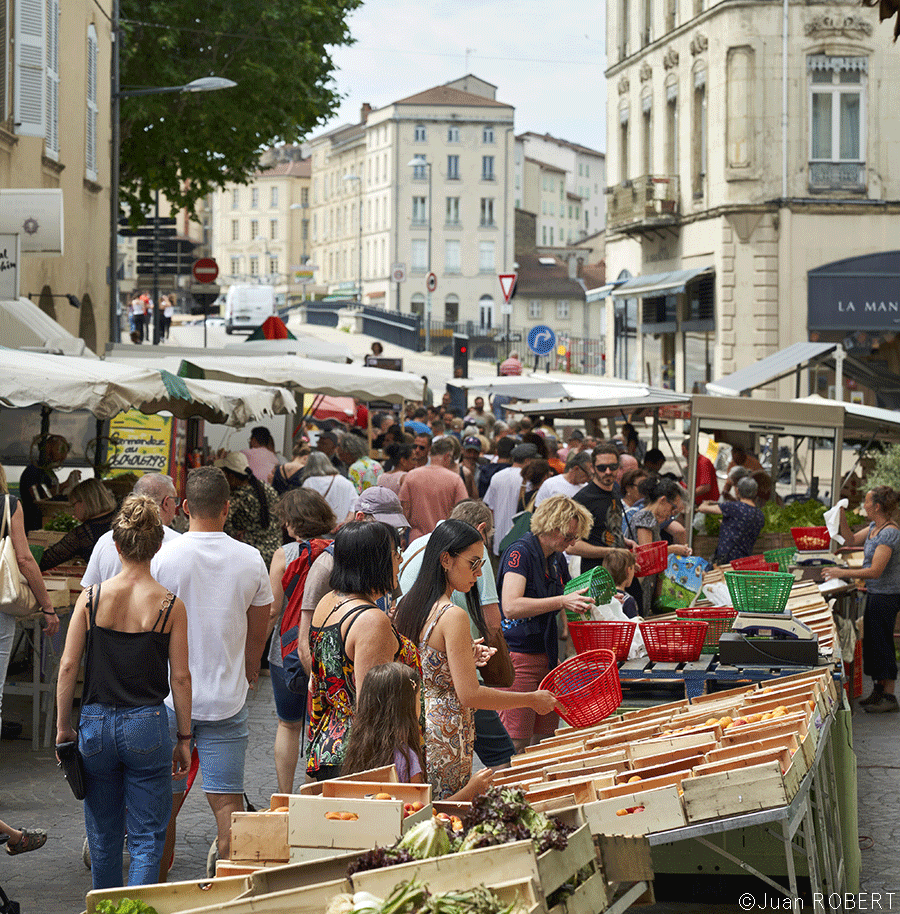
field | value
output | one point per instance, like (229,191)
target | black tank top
(126,669)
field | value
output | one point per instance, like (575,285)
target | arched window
(486,312)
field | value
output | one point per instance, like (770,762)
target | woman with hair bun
(881,572)
(135,635)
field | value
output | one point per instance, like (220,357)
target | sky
(546,59)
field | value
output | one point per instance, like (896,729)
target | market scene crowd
(404,594)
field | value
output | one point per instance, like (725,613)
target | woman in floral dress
(451,690)
(349,635)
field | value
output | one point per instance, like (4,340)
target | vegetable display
(125,906)
(61,523)
(413,897)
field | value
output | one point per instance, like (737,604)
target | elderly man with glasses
(104,562)
(601,497)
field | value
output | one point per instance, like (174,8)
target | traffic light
(460,355)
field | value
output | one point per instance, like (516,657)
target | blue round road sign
(541,340)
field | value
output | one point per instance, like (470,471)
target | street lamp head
(209,84)
(352,177)
(417,161)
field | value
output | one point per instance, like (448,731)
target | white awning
(770,369)
(600,294)
(655,284)
(24,326)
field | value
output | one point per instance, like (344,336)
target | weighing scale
(768,638)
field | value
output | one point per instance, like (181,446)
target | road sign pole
(156,271)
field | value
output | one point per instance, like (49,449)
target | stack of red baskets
(587,687)
(611,636)
(718,619)
(754,563)
(651,558)
(674,642)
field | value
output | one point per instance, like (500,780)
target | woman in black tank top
(134,635)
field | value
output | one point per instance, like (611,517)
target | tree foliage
(187,144)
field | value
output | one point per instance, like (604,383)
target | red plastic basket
(751,563)
(587,687)
(719,620)
(811,539)
(673,642)
(609,636)
(651,558)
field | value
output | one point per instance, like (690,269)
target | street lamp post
(359,183)
(267,254)
(419,161)
(204,84)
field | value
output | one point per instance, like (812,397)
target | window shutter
(90,142)
(51,137)
(29,68)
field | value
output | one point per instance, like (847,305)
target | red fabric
(706,475)
(273,328)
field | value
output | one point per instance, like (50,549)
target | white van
(246,307)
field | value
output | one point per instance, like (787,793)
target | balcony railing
(850,176)
(649,199)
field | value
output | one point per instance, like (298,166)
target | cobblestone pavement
(53,880)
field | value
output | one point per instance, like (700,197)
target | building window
(452,168)
(487,212)
(315,227)
(254,198)
(647,25)
(487,135)
(417,304)
(273,266)
(837,121)
(273,229)
(672,136)
(420,134)
(535,309)
(562,310)
(304,229)
(452,256)
(624,27)
(254,265)
(235,230)
(304,197)
(453,134)
(698,138)
(487,168)
(486,312)
(671,14)
(90,134)
(647,140)
(419,172)
(273,198)
(254,229)
(418,255)
(551,236)
(235,198)
(543,234)
(419,211)
(452,211)
(451,309)
(51,134)
(486,257)
(235,267)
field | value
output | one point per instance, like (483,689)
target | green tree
(186,145)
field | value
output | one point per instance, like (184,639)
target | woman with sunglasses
(427,615)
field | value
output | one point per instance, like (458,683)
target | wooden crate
(260,836)
(726,695)
(312,899)
(662,811)
(583,789)
(681,763)
(556,867)
(361,790)
(624,858)
(662,780)
(666,746)
(174,897)
(298,875)
(387,773)
(590,897)
(380,822)
(600,771)
(735,792)
(779,754)
(787,741)
(513,862)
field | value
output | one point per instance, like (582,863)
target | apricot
(383,796)
(726,720)
(621,812)
(332,815)
(633,779)
(712,720)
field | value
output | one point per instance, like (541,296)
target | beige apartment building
(420,185)
(754,194)
(260,230)
(55,136)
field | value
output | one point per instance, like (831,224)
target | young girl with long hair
(427,616)
(386,729)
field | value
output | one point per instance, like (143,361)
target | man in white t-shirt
(502,495)
(105,562)
(225,587)
(576,477)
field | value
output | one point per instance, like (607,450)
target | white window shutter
(51,136)
(90,141)
(30,37)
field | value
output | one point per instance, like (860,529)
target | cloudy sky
(546,58)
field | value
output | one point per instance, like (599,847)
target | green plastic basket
(759,591)
(600,589)
(782,556)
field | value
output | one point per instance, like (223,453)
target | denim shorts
(289,706)
(222,747)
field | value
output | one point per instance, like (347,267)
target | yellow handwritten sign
(145,443)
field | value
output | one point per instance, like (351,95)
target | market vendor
(881,573)
(742,522)
(39,481)
(95,506)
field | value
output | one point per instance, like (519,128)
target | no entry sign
(205,270)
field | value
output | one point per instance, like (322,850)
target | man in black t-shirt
(600,497)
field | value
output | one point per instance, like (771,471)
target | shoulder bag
(16,598)
(498,671)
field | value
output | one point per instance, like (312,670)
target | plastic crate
(651,558)
(718,618)
(609,636)
(811,539)
(759,591)
(600,589)
(587,687)
(750,563)
(674,642)
(781,557)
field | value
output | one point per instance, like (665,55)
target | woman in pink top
(401,456)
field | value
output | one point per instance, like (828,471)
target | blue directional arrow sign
(541,340)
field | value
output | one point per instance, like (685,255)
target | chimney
(572,267)
(579,271)
(364,112)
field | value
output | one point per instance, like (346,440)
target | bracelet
(181,736)
(51,613)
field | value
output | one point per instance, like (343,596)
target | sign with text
(859,293)
(145,443)
(9,267)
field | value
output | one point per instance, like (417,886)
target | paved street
(54,881)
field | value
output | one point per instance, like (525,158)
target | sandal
(31,840)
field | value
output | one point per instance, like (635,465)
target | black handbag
(72,767)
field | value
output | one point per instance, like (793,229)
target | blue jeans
(127,756)
(7,633)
